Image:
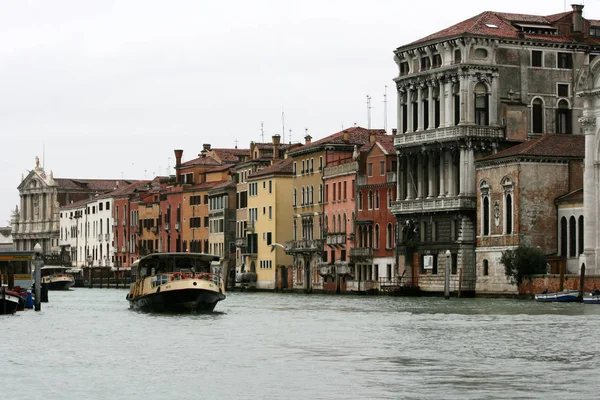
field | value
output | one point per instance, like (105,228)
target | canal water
(87,344)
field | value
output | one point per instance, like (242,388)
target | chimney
(577,18)
(307,139)
(178,154)
(206,147)
(276,142)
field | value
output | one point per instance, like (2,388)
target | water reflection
(89,344)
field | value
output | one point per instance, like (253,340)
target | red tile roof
(200,161)
(97,185)
(385,141)
(355,136)
(483,25)
(550,145)
(283,167)
(230,155)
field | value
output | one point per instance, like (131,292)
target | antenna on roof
(262,132)
(236,142)
(290,136)
(282,125)
(369,111)
(385,108)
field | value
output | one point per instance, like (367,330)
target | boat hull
(568,296)
(591,299)
(182,300)
(9,302)
(60,285)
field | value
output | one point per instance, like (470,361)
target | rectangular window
(345,190)
(270,212)
(381,168)
(370,169)
(270,187)
(269,238)
(564,60)
(536,58)
(562,89)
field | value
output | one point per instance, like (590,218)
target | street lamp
(38,263)
(447,288)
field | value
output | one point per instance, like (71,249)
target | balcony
(304,246)
(336,239)
(433,205)
(241,242)
(344,268)
(167,226)
(342,169)
(177,226)
(448,134)
(361,254)
(326,269)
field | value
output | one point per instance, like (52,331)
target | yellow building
(269,206)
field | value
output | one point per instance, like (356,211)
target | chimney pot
(577,18)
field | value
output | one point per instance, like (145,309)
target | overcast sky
(108,89)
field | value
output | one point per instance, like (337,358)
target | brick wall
(552,283)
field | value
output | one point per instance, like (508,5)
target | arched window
(537,116)
(509,214)
(563,237)
(484,189)
(580,231)
(485,268)
(456,98)
(321,193)
(302,197)
(295,229)
(360,200)
(563,117)
(388,236)
(572,237)
(376,199)
(294,196)
(326,224)
(508,205)
(486,216)
(370,236)
(376,237)
(481,105)
(344,223)
(389,198)
(370,200)
(339,223)
(312,194)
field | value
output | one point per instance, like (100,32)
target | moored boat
(592,298)
(9,301)
(564,296)
(56,278)
(176,282)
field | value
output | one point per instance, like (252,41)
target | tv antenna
(385,108)
(369,111)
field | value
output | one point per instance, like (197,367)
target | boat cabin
(161,263)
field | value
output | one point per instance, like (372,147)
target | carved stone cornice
(587,122)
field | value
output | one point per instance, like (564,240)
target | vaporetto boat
(56,277)
(176,282)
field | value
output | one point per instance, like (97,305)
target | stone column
(400,92)
(471,184)
(590,203)
(442,97)
(451,174)
(493,103)
(442,189)
(400,177)
(430,174)
(449,102)
(420,107)
(420,176)
(431,108)
(462,165)
(463,98)
(409,109)
(410,180)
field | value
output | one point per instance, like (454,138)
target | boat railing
(162,279)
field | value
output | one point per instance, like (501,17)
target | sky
(108,89)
